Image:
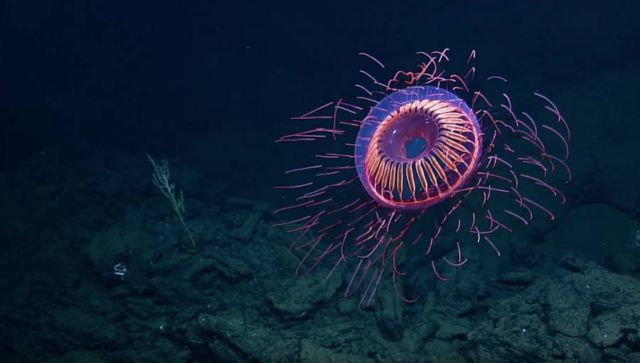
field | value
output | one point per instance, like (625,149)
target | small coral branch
(161,175)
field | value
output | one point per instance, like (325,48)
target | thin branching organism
(161,179)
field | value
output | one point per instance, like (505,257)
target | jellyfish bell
(416,147)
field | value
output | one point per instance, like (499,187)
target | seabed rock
(566,318)
(301,296)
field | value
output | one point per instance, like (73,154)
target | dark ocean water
(137,166)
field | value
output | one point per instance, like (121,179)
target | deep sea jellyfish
(419,165)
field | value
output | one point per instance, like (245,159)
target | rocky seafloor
(570,294)
(234,297)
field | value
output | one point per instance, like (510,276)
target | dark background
(87,88)
(213,83)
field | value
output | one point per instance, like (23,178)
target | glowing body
(416,147)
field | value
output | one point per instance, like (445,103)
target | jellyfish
(420,165)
